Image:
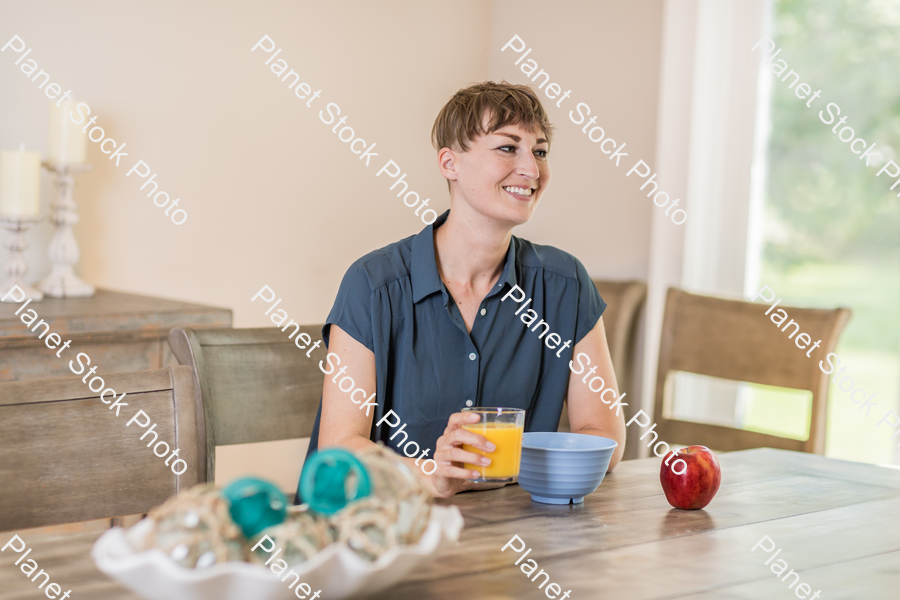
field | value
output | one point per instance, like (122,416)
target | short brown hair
(460,121)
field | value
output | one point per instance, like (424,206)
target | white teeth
(517,190)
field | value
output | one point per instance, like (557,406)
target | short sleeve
(590,304)
(352,310)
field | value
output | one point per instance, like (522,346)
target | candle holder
(63,251)
(17,267)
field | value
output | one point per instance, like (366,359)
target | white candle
(67,141)
(20,183)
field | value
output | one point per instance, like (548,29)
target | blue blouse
(428,366)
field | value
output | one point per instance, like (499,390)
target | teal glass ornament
(333,478)
(255,504)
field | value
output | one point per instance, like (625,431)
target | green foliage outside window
(824,204)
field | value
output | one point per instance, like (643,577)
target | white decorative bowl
(336,570)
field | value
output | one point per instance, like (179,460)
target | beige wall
(273,197)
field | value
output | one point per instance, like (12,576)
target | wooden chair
(68,458)
(733,339)
(255,385)
(624,300)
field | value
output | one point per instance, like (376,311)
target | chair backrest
(255,385)
(623,302)
(68,458)
(734,339)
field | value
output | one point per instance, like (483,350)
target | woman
(431,321)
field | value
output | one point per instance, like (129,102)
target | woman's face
(503,174)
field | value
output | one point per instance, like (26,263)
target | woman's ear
(447,163)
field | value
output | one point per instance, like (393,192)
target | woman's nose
(527,166)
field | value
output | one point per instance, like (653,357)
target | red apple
(698,482)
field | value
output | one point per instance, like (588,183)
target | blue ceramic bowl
(562,468)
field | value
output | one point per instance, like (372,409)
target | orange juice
(505,459)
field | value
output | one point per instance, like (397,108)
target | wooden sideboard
(120,332)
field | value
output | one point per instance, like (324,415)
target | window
(830,229)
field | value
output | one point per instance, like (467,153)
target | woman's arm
(587,414)
(344,425)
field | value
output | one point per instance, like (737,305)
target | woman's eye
(511,148)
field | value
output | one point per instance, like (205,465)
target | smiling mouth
(519,192)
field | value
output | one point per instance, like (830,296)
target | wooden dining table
(836,523)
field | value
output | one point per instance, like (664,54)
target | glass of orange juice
(503,427)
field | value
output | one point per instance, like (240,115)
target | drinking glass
(503,427)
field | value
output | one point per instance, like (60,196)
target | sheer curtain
(707,143)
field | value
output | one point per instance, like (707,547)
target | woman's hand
(450,476)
